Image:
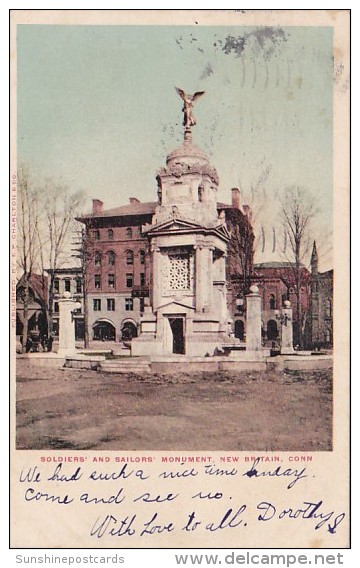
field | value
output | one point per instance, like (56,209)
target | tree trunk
(25,330)
(50,303)
(86,317)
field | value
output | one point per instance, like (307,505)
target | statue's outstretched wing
(180,92)
(197,95)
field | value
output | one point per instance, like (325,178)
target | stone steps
(126,366)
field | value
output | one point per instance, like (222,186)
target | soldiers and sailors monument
(187,312)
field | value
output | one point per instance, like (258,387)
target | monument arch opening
(177,326)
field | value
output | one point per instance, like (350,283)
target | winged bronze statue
(189,118)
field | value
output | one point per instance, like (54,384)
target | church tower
(314,260)
(188,242)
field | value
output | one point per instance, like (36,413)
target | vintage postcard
(180,279)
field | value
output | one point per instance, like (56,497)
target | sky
(98,110)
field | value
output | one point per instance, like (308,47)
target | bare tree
(28,221)
(46,214)
(296,214)
(60,208)
(240,249)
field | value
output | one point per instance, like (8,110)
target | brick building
(276,282)
(321,302)
(119,270)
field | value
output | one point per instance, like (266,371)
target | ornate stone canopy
(179,169)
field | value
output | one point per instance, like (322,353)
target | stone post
(66,324)
(253,320)
(287,347)
(224,308)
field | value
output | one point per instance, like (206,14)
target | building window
(56,285)
(110,235)
(129,304)
(56,307)
(97,258)
(97,235)
(111,280)
(110,304)
(272,302)
(97,279)
(142,304)
(97,305)
(129,257)
(78,286)
(129,280)
(67,284)
(142,279)
(129,233)
(142,257)
(111,258)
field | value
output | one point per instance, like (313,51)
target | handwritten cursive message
(132,501)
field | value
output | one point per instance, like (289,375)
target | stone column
(253,320)
(287,347)
(156,277)
(66,325)
(222,271)
(199,293)
(208,277)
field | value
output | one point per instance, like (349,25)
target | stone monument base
(146,346)
(248,355)
(176,329)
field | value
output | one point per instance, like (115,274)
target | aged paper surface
(161,498)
